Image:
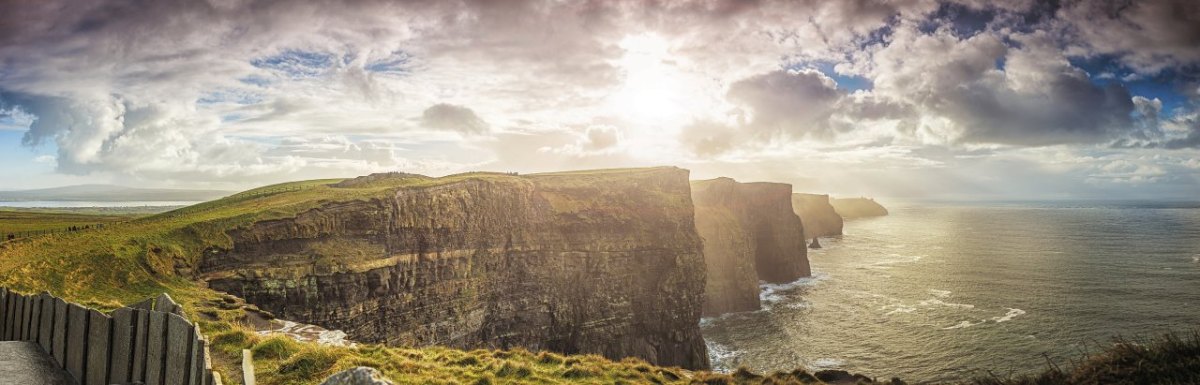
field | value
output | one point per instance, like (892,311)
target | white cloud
(239,91)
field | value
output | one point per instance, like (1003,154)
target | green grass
(21,221)
(1167,359)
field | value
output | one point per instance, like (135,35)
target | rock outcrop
(850,208)
(818,215)
(750,234)
(605,262)
(361,375)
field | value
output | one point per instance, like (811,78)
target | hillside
(130,260)
(604,262)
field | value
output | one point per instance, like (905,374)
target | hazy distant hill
(109,193)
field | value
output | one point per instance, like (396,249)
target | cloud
(453,118)
(239,91)
(597,139)
(1149,36)
(706,138)
(960,92)
(796,103)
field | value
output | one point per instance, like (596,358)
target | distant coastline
(55,204)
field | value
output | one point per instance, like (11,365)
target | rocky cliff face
(604,262)
(819,217)
(851,208)
(750,234)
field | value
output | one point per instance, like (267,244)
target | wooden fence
(150,342)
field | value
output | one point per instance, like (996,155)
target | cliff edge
(605,262)
(750,234)
(850,208)
(818,215)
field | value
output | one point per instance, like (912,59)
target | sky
(920,99)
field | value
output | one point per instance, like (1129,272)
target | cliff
(750,234)
(818,215)
(605,262)
(850,208)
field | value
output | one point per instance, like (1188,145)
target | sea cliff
(850,208)
(817,214)
(750,234)
(605,262)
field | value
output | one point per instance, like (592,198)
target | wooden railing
(150,342)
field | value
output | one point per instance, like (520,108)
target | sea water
(942,292)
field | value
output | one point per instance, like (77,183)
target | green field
(24,222)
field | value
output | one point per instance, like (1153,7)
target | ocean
(941,291)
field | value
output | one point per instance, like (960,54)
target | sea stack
(604,262)
(850,208)
(818,215)
(750,234)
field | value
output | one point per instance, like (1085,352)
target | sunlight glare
(651,93)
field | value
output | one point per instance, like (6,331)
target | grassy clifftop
(134,258)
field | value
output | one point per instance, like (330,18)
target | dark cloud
(1067,109)
(453,118)
(1149,36)
(787,102)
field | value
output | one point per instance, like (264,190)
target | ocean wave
(940,293)
(797,305)
(937,302)
(774,292)
(897,309)
(962,325)
(720,356)
(826,363)
(1196,258)
(1012,313)
(896,259)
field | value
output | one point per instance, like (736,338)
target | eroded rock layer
(604,262)
(750,234)
(817,214)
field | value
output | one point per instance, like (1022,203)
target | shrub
(276,347)
(309,363)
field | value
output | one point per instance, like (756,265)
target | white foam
(1196,258)
(1012,313)
(897,309)
(940,293)
(719,355)
(797,305)
(826,363)
(773,292)
(896,259)
(962,325)
(937,302)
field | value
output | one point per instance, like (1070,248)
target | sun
(652,92)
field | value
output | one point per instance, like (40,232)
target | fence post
(247,367)
(99,331)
